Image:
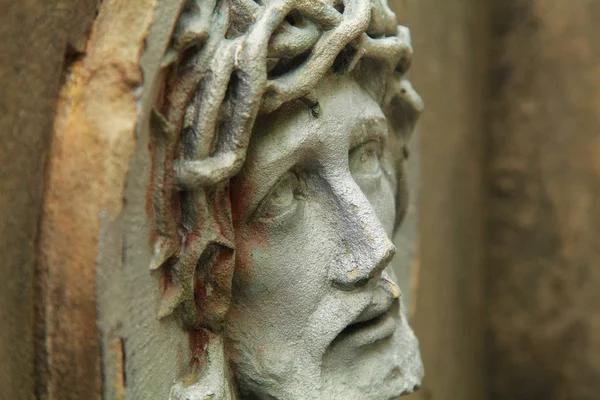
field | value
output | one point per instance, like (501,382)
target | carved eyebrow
(291,158)
(374,128)
(263,190)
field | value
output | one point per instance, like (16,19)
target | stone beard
(274,231)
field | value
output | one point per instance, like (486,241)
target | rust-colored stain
(200,296)
(239,199)
(117,348)
(198,340)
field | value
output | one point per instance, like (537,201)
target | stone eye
(282,199)
(364,160)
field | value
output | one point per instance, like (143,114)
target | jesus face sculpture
(316,311)
(277,199)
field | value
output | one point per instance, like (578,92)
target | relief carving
(278,145)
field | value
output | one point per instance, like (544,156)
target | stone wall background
(449,71)
(543,191)
(508,301)
(506,297)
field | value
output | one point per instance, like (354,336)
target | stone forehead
(343,103)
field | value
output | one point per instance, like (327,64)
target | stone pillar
(544,200)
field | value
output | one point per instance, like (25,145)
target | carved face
(316,313)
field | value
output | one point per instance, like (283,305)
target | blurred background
(504,285)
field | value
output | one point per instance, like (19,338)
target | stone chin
(383,369)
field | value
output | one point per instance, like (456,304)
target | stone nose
(365,266)
(367,250)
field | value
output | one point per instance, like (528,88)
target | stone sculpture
(278,145)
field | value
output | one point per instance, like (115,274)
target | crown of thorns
(229,61)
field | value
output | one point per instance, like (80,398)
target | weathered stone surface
(301,317)
(94,138)
(133,344)
(449,72)
(544,324)
(544,191)
(34,38)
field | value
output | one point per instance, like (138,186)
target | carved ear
(405,106)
